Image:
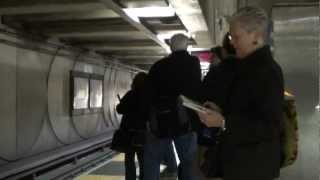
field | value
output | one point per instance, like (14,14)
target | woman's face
(242,41)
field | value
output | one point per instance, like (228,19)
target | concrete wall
(296,44)
(216,13)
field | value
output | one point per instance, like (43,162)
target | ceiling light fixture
(146,12)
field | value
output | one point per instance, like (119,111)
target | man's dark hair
(217,51)
(139,80)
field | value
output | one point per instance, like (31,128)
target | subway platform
(115,170)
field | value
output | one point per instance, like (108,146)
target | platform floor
(114,170)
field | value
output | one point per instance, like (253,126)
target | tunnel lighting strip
(135,13)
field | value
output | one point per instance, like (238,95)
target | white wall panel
(296,44)
(8,102)
(32,71)
(121,85)
(106,97)
(46,140)
(111,96)
(59,100)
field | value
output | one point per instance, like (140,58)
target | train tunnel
(63,64)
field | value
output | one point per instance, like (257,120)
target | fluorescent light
(191,49)
(151,11)
(318,107)
(132,15)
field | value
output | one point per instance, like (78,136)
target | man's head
(179,42)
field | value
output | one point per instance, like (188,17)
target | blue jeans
(170,159)
(155,150)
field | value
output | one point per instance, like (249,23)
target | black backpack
(168,117)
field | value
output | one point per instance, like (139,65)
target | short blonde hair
(252,19)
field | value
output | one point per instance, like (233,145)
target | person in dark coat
(216,85)
(133,120)
(177,74)
(250,142)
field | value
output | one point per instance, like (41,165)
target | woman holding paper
(250,142)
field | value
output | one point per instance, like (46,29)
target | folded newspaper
(193,104)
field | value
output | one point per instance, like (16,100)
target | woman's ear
(258,38)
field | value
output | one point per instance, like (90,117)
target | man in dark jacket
(177,74)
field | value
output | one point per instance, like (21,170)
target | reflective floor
(114,170)
(111,171)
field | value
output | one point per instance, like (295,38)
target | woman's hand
(212,106)
(212,117)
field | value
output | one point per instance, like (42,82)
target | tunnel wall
(35,101)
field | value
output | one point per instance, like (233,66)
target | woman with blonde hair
(250,141)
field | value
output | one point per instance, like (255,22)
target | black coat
(250,144)
(216,84)
(177,74)
(130,107)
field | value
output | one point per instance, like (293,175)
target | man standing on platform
(177,74)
